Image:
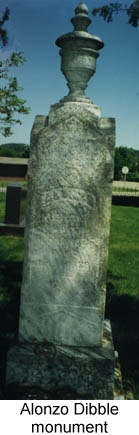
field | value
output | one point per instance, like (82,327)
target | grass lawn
(2,203)
(11,261)
(124,251)
(122,305)
(3,183)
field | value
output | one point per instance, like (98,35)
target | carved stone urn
(79,51)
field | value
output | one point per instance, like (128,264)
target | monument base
(46,371)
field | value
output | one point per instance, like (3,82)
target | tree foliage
(126,157)
(107,12)
(3,32)
(10,104)
(14,150)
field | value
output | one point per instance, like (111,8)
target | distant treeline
(123,157)
(14,150)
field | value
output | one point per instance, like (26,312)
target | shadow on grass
(123,311)
(10,283)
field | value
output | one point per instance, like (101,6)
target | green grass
(2,206)
(2,211)
(124,250)
(124,189)
(11,262)
(122,306)
(123,290)
(3,183)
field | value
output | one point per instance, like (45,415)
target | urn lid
(80,33)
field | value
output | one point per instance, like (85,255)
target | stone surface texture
(67,228)
(51,372)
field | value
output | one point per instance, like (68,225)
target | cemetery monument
(65,347)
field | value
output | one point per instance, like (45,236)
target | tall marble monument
(64,343)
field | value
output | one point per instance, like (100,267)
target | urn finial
(81,20)
(81,9)
(79,51)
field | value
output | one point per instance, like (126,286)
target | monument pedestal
(47,371)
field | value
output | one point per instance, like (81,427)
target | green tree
(14,150)
(3,32)
(107,12)
(9,152)
(11,106)
(123,156)
(26,152)
(126,157)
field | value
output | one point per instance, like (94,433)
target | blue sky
(34,25)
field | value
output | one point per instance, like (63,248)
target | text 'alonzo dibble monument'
(65,347)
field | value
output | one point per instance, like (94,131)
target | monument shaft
(67,228)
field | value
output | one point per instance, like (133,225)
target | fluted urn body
(79,51)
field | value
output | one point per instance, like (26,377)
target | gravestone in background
(65,347)
(13,197)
